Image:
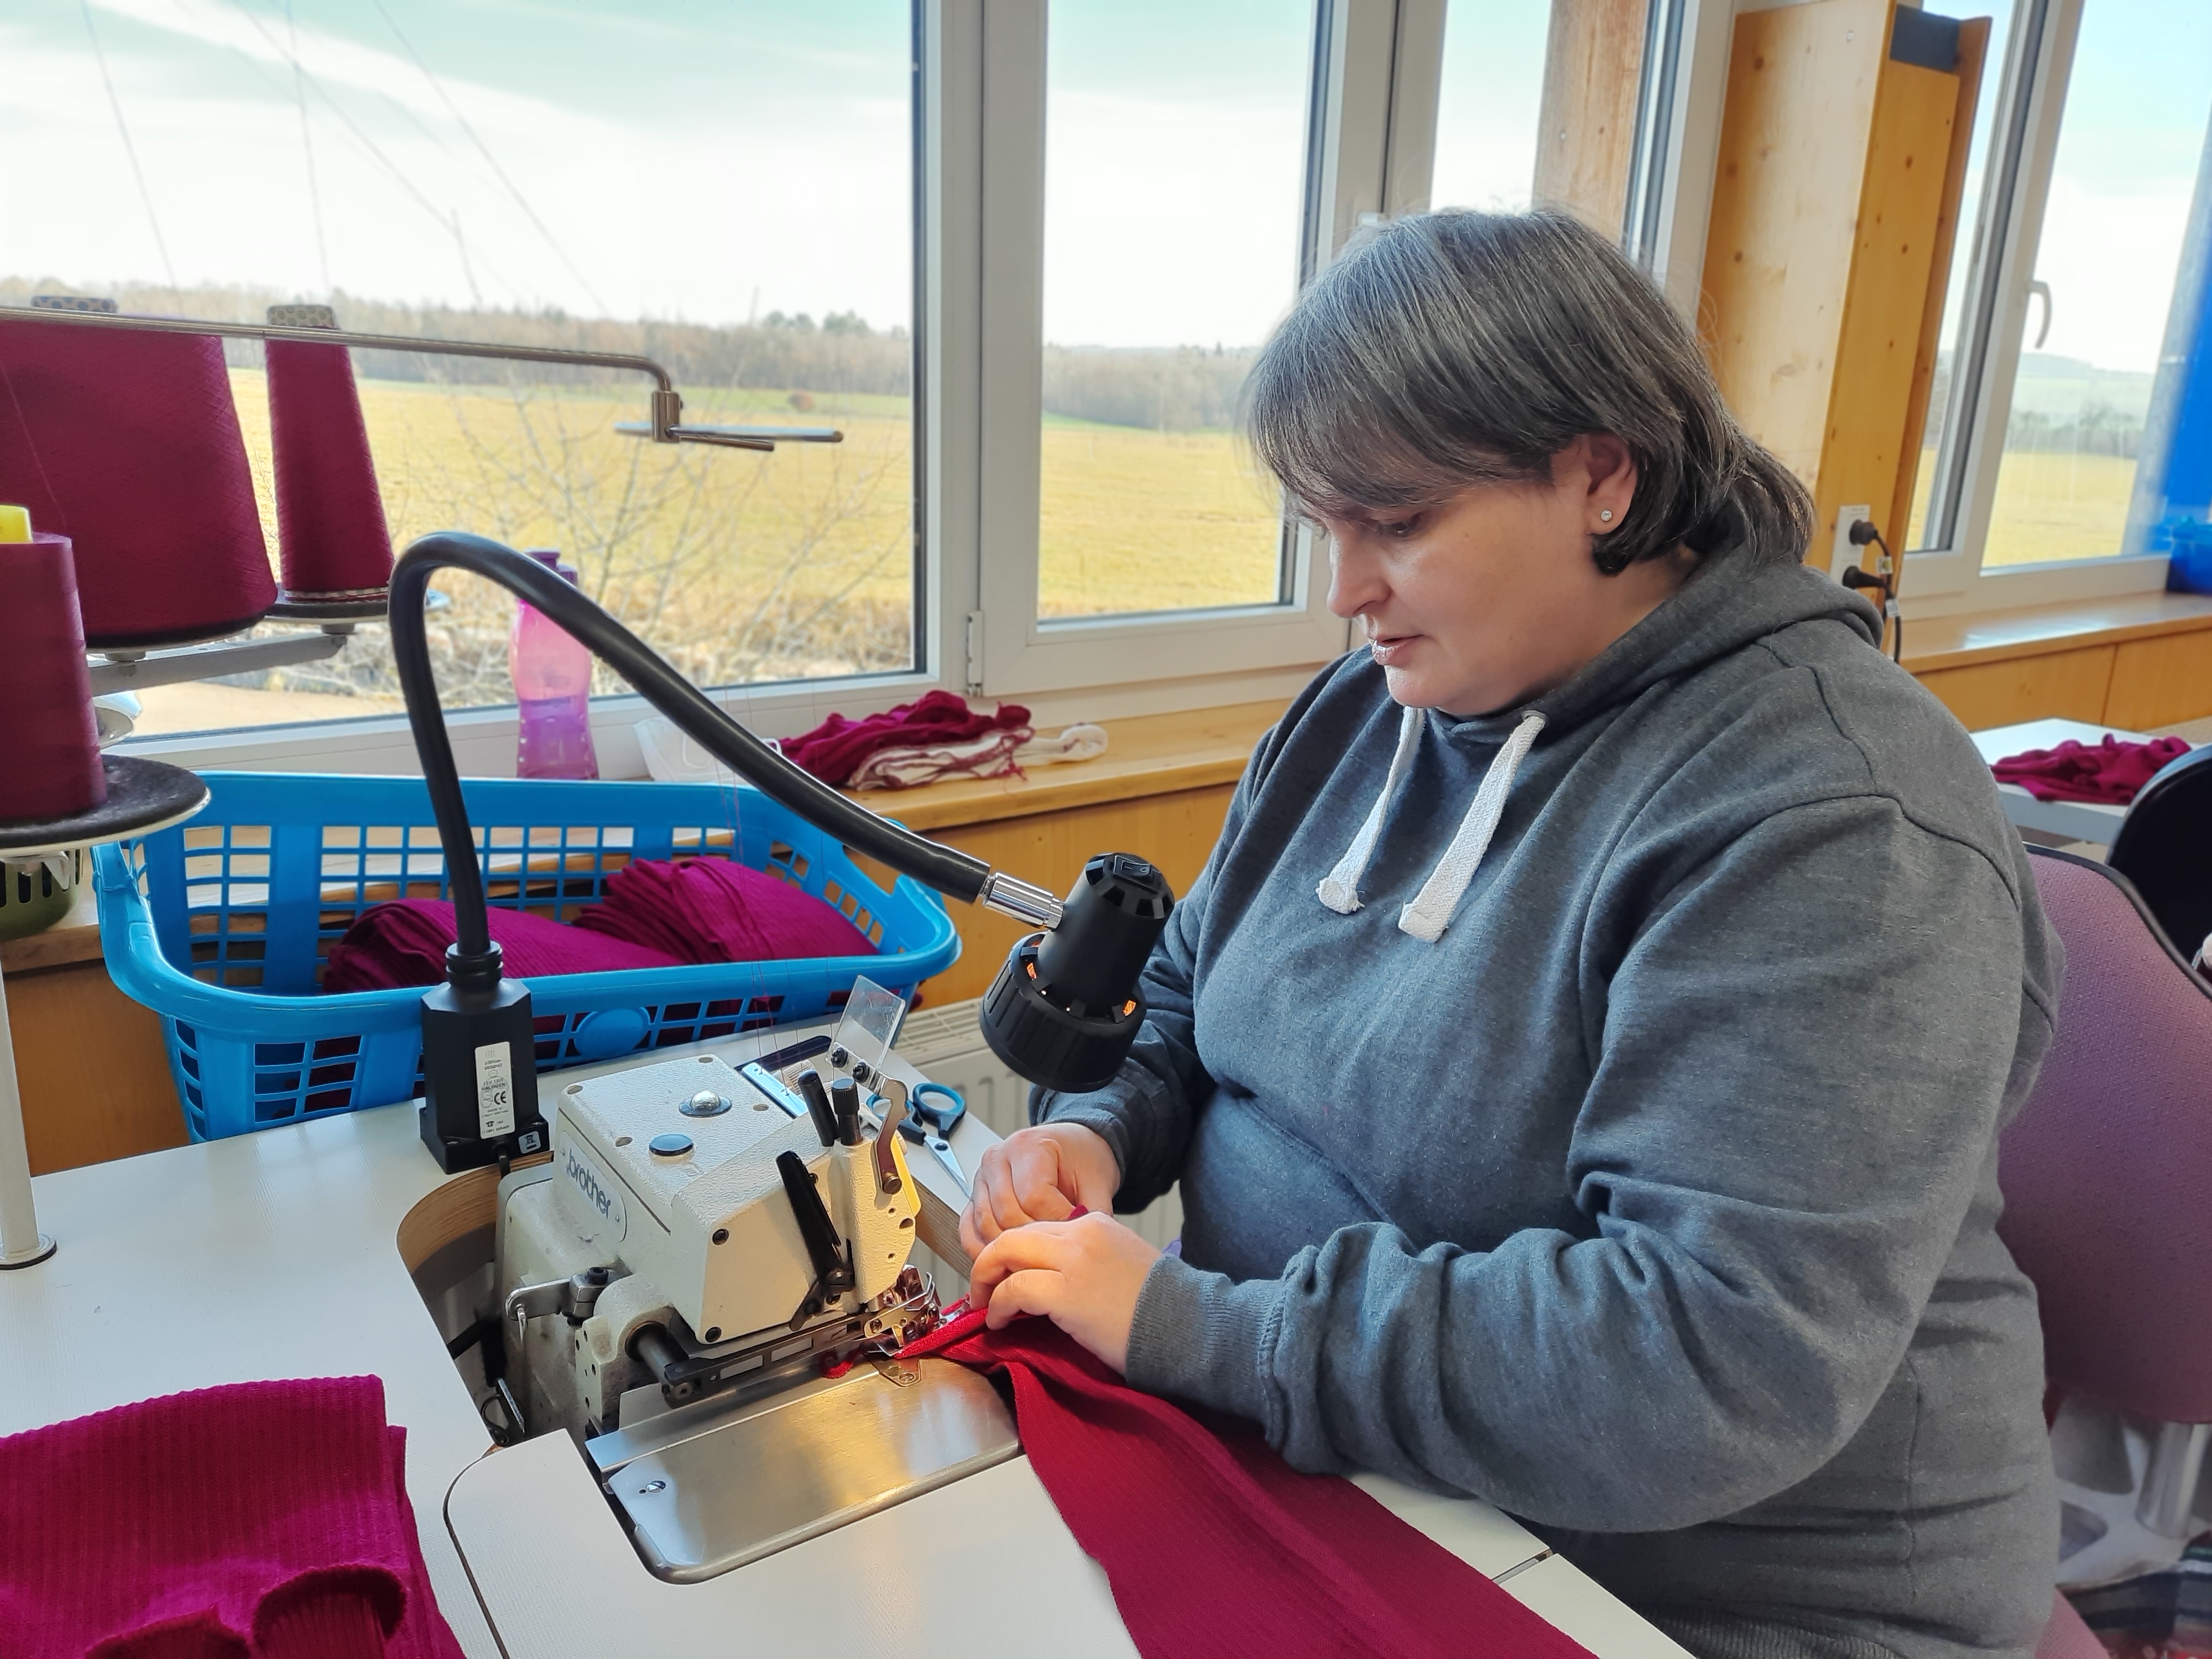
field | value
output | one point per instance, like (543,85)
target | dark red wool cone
(129,445)
(51,768)
(331,540)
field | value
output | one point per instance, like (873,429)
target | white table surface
(276,1255)
(2078,820)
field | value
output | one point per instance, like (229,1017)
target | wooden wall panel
(1973,54)
(1792,146)
(1177,832)
(2157,682)
(94,1077)
(1862,452)
(2066,684)
(1586,125)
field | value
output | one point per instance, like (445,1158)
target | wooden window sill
(73,939)
(1937,643)
(1149,754)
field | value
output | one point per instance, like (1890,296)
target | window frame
(1012,650)
(978,69)
(1950,575)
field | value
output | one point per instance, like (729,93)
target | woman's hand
(1084,1275)
(1038,1175)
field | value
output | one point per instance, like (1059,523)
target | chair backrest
(2107,1170)
(2165,848)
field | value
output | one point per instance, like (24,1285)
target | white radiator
(947,1046)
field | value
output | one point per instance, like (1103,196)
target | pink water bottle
(553,686)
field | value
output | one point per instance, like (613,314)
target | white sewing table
(275,1254)
(2078,820)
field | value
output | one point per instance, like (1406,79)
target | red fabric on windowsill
(833,751)
(1217,1549)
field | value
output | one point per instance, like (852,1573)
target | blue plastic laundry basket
(221,925)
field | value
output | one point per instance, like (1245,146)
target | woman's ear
(1610,470)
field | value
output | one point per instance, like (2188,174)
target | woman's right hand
(1039,1175)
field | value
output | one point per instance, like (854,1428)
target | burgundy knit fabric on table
(331,535)
(129,445)
(258,1520)
(1214,1546)
(718,910)
(404,943)
(833,751)
(2109,774)
(53,769)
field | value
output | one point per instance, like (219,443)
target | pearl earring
(1605,515)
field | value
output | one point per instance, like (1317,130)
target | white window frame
(1353,90)
(978,410)
(1952,578)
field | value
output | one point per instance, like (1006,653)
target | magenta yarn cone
(129,445)
(331,540)
(52,768)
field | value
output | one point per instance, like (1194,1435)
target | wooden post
(1835,206)
(1586,132)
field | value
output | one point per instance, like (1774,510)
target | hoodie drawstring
(1340,888)
(1430,912)
(1426,917)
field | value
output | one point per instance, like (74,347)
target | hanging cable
(1883,580)
(123,127)
(307,150)
(490,160)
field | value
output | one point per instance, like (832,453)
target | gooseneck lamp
(1062,1012)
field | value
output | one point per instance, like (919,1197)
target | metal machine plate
(706,1490)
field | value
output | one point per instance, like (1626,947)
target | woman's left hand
(1084,1275)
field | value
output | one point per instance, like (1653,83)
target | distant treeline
(1166,390)
(2099,429)
(1181,391)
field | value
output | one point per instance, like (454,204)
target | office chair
(2165,848)
(2107,1182)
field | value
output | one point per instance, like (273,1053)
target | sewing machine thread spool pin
(845,1103)
(818,1107)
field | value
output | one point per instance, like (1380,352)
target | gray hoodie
(1645,1186)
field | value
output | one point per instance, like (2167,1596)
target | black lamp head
(1065,1007)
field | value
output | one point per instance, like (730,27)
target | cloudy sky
(671,158)
(676,158)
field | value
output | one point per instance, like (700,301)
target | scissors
(929,1122)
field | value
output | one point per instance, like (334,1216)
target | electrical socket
(1844,555)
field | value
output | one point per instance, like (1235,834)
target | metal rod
(22,1243)
(134,672)
(666,427)
(2170,1478)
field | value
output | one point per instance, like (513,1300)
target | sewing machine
(708,1287)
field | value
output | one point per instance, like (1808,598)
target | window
(2129,148)
(1153,178)
(1175,174)
(728,189)
(2041,438)
(1491,88)
(1021,256)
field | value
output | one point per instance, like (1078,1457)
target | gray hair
(1447,350)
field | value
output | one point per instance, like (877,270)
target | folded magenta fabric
(403,944)
(833,751)
(255,1521)
(718,910)
(2109,774)
(1214,1546)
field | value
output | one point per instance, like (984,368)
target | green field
(743,568)
(737,566)
(2049,505)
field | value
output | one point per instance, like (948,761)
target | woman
(1585,1052)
